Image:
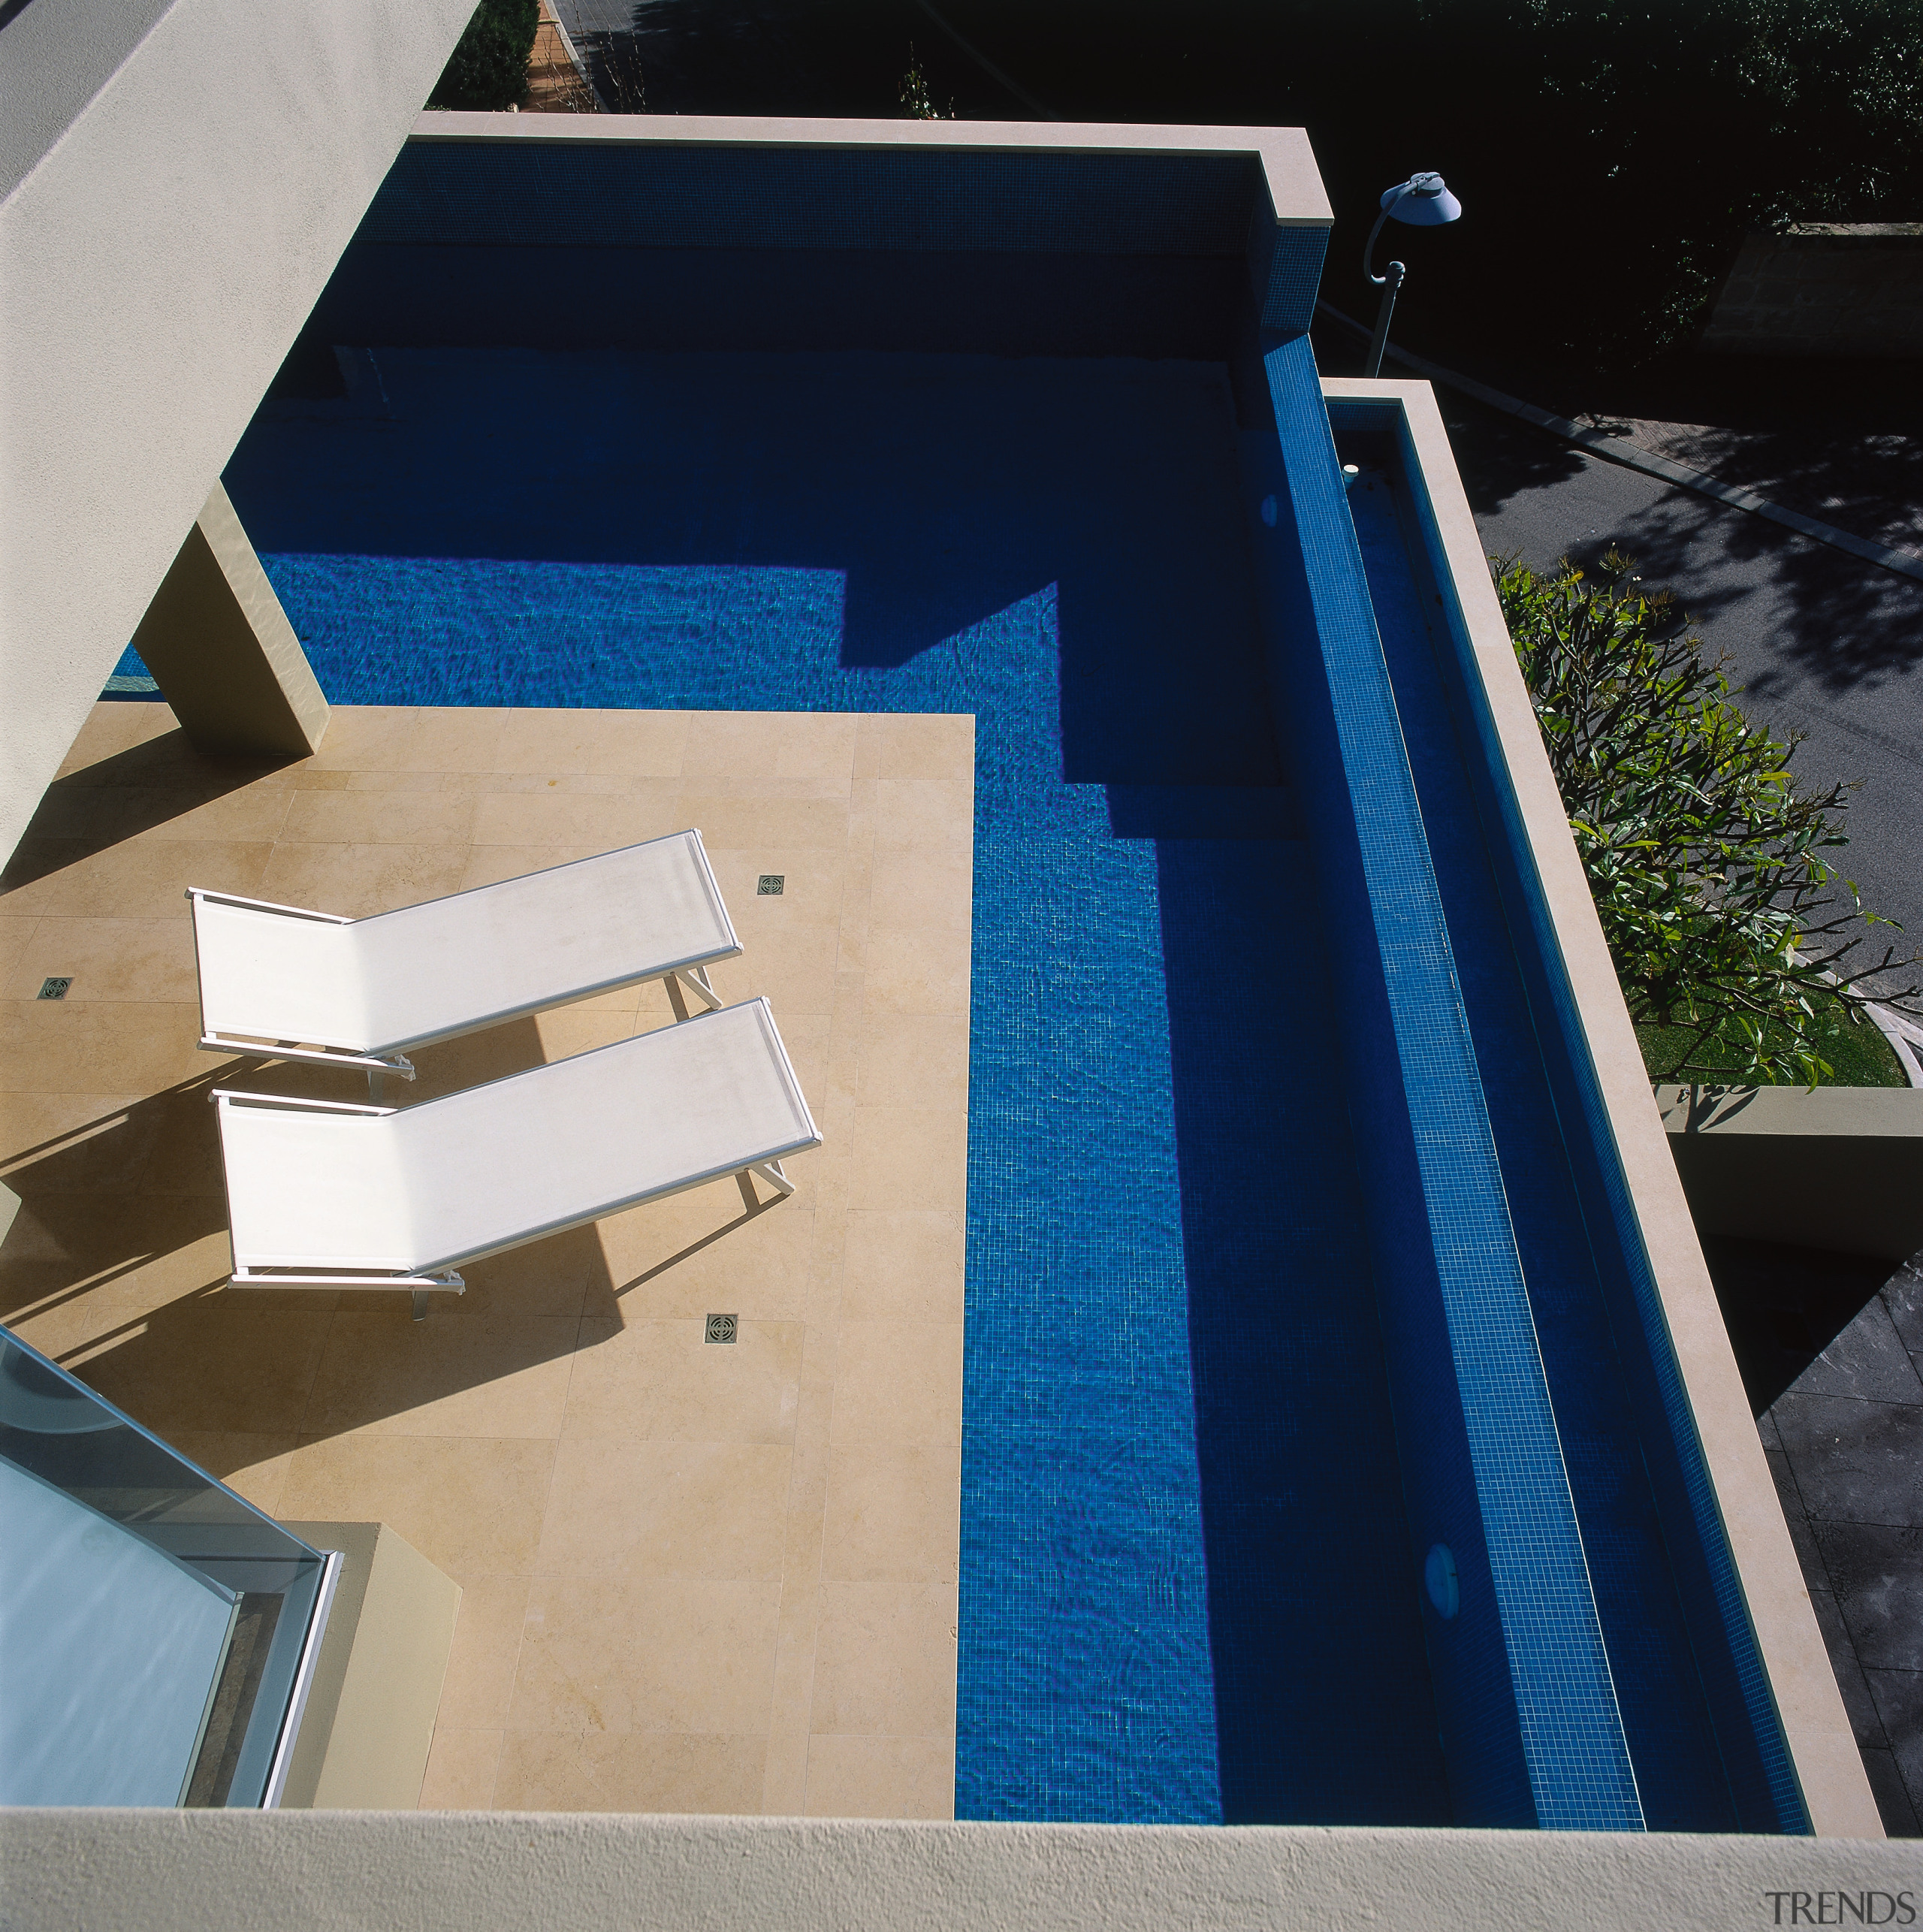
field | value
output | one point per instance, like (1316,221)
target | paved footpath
(1821,642)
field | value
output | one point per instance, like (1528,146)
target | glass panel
(152,1621)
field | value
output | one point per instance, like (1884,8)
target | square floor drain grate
(55,989)
(771,885)
(721,1327)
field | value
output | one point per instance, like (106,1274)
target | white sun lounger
(313,987)
(324,1195)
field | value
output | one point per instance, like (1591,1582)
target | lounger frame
(447,1279)
(687,975)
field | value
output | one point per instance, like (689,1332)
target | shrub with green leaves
(488,68)
(1710,865)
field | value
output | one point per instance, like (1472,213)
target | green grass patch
(1859,1055)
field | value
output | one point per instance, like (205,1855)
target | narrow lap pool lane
(1678,1774)
(1185,1587)
(1701,1733)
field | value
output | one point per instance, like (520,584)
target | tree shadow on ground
(1803,611)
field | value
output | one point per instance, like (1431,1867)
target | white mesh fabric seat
(320,1194)
(361,992)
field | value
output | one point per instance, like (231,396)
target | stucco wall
(168,223)
(201,1871)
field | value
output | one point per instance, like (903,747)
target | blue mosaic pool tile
(1293,275)
(1451,1267)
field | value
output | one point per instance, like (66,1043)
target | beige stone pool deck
(696,1577)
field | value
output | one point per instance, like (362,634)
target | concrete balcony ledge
(1839,1168)
(210,1871)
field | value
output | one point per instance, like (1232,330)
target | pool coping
(1294,184)
(1815,1726)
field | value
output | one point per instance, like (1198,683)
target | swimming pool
(1260,1238)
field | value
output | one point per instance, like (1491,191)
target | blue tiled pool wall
(1521,1673)
(649,194)
(714,299)
(1165,207)
(1478,1764)
(1689,1632)
(645,245)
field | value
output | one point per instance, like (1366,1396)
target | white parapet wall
(179,180)
(1839,1168)
(225,1871)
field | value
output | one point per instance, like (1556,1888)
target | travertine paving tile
(739,742)
(673,1511)
(377,737)
(379,818)
(16,933)
(879,1660)
(892,1518)
(112,729)
(910,1157)
(486,1653)
(923,892)
(151,961)
(246,815)
(470,1372)
(76,1144)
(87,1046)
(632,744)
(148,878)
(598,820)
(911,1060)
(703,1253)
(461,1768)
(662,1380)
(925,814)
(255,1466)
(881,1777)
(904,1266)
(754,824)
(921,970)
(488,864)
(898,1381)
(651,1771)
(216,1362)
(620,1653)
(472,1505)
(356,880)
(697,1576)
(927,747)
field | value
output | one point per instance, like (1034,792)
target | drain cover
(771,885)
(55,989)
(721,1327)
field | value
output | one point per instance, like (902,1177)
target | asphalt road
(1822,643)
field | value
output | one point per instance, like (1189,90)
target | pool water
(1187,1592)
